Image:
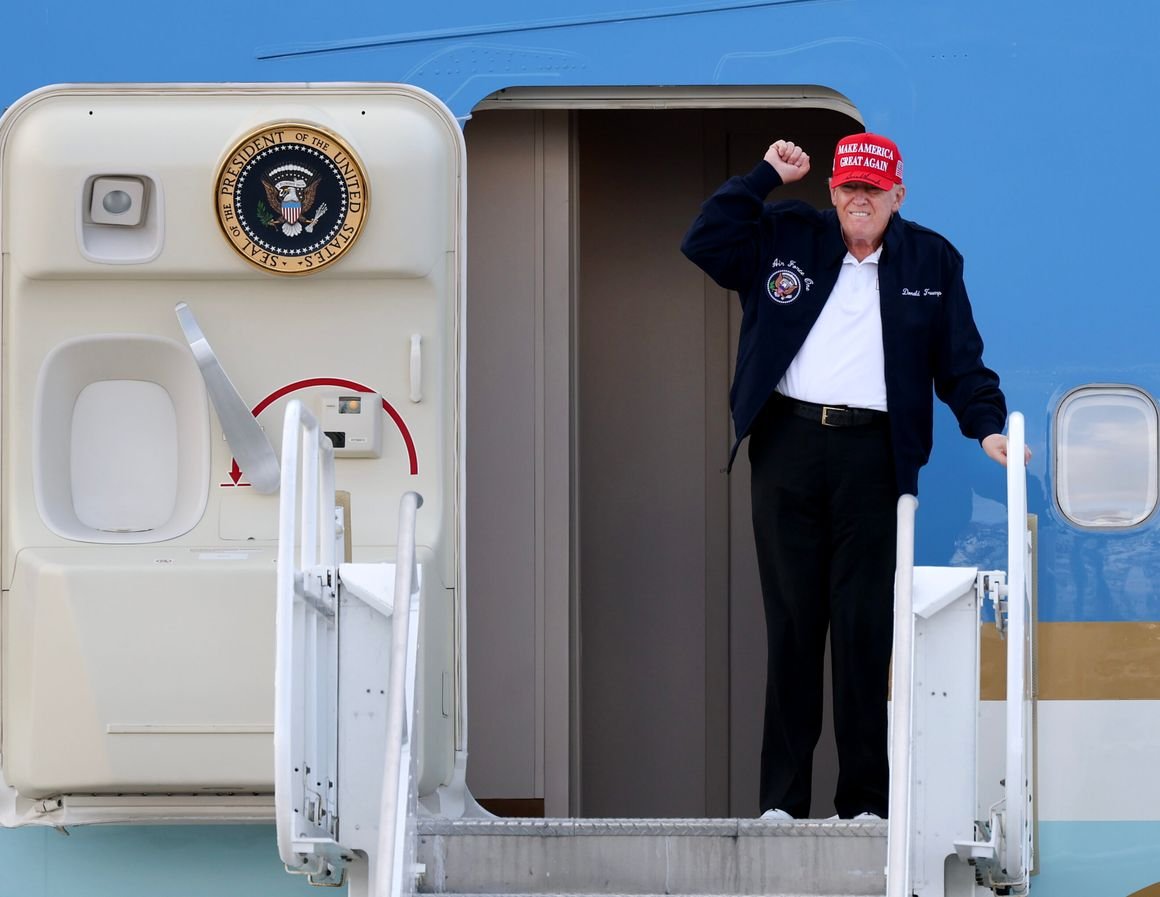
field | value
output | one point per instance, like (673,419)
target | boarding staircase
(948,835)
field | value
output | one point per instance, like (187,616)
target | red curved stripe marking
(345,384)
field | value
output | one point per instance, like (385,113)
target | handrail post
(1016,860)
(898,873)
(306,535)
(284,627)
(386,874)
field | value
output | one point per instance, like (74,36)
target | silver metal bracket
(991,585)
(318,587)
(982,853)
(984,856)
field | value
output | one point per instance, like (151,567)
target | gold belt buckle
(826,409)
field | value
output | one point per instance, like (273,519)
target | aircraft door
(310,239)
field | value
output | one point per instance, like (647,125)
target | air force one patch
(783,286)
(291,198)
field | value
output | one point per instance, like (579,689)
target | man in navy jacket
(851,316)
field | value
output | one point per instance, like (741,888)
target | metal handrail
(898,872)
(1016,858)
(307,555)
(305,448)
(388,871)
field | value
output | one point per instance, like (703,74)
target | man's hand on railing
(995,446)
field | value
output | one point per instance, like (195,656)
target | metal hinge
(991,585)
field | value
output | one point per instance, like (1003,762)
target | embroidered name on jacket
(906,292)
(786,281)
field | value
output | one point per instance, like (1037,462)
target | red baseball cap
(870,158)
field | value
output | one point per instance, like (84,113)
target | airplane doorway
(615,631)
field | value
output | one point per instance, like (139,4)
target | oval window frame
(1152,499)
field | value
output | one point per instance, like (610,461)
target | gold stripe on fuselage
(1082,662)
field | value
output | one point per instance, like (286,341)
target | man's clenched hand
(789,160)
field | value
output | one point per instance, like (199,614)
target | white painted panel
(1097,759)
(149,673)
(148,668)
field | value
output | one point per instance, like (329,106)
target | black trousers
(824,519)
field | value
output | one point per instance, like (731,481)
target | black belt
(832,415)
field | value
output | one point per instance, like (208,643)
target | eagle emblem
(783,286)
(291,197)
(290,191)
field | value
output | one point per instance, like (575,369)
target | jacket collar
(892,239)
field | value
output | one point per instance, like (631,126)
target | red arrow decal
(235,475)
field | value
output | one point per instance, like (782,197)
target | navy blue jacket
(783,260)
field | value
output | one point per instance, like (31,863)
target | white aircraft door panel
(316,233)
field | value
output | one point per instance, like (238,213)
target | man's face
(864,211)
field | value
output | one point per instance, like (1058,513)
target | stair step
(644,857)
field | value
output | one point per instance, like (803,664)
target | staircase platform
(803,858)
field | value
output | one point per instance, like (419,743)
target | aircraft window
(1106,456)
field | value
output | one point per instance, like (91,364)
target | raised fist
(789,160)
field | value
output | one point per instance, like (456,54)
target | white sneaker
(776,816)
(867,817)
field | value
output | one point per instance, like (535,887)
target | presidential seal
(291,198)
(783,286)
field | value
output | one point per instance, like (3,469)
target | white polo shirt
(841,362)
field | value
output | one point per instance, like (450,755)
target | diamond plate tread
(651,857)
(727,828)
